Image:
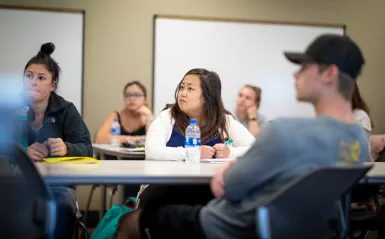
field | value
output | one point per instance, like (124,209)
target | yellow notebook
(80,160)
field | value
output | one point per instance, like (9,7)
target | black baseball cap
(332,49)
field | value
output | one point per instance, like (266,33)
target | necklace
(37,130)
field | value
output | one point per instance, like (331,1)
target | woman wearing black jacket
(56,127)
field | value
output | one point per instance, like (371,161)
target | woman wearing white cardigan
(161,130)
(198,96)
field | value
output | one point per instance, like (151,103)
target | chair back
(303,208)
(26,204)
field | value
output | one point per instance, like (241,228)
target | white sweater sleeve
(157,137)
(242,138)
(362,118)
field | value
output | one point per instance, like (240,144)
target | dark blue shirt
(177,139)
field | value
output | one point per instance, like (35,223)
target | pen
(228,142)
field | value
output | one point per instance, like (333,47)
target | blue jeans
(66,218)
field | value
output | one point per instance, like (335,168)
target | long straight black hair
(214,113)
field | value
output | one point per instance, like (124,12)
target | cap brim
(298,58)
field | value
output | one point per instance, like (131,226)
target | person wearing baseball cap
(284,150)
(331,49)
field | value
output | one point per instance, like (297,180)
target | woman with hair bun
(55,129)
(55,126)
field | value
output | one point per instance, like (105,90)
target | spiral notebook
(75,160)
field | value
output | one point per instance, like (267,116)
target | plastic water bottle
(192,143)
(115,132)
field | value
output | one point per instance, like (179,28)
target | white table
(128,172)
(376,175)
(120,172)
(147,171)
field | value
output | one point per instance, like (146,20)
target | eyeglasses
(133,96)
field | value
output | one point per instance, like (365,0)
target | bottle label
(115,131)
(192,142)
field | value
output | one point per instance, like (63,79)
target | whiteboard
(240,52)
(23,32)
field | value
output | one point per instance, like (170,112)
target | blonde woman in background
(248,102)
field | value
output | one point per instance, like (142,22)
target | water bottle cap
(193,121)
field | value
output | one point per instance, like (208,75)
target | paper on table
(139,149)
(214,160)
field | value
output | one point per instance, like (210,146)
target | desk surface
(146,171)
(376,175)
(128,172)
(106,149)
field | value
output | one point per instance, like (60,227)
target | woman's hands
(57,147)
(134,140)
(37,151)
(377,144)
(252,112)
(53,146)
(219,151)
(145,114)
(222,151)
(207,152)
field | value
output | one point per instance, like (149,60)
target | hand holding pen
(222,150)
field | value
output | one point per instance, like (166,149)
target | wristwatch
(253,119)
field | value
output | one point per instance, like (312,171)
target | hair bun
(46,49)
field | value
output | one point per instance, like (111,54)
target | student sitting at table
(248,102)
(55,129)
(361,114)
(284,150)
(198,96)
(134,118)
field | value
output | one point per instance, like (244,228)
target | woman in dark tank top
(134,118)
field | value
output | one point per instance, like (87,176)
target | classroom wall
(118,40)
(118,45)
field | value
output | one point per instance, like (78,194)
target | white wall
(241,53)
(24,31)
